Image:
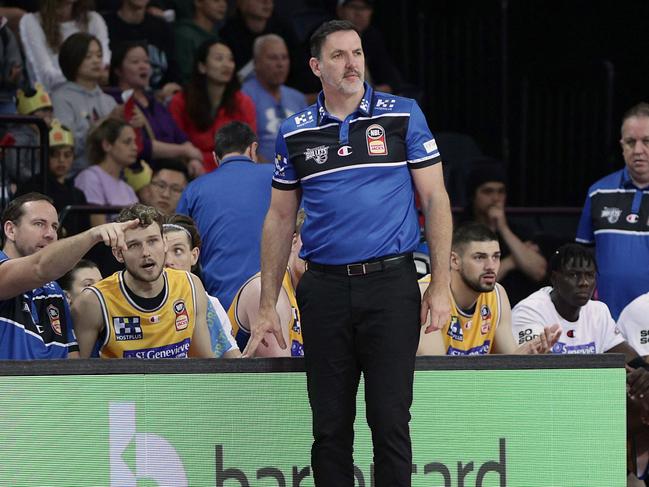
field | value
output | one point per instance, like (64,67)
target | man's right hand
(267,322)
(112,234)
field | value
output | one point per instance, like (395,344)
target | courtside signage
(475,428)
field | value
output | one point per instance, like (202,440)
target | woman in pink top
(111,148)
(211,99)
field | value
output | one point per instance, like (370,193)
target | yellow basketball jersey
(133,332)
(472,334)
(294,327)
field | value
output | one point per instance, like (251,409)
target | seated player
(480,312)
(588,328)
(183,248)
(144,311)
(245,306)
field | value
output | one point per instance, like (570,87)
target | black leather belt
(361,268)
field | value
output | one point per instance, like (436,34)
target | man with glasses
(228,206)
(168,181)
(615,218)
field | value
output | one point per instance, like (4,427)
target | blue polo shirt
(229,205)
(355,176)
(36,324)
(616,219)
(271,112)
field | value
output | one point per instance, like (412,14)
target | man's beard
(476,285)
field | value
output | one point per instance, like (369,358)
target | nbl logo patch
(182,317)
(127,328)
(376,144)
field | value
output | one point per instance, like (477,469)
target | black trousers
(367,324)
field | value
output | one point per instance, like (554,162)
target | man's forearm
(275,249)
(439,231)
(59,257)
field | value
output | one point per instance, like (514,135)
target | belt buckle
(351,270)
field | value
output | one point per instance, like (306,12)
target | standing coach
(354,158)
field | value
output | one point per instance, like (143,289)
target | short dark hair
(233,137)
(118,53)
(571,252)
(15,209)
(170,165)
(73,51)
(185,222)
(146,214)
(66,280)
(110,130)
(320,35)
(472,232)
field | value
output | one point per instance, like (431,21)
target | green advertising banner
(518,428)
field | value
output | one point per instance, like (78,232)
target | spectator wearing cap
(522,266)
(380,72)
(273,100)
(59,188)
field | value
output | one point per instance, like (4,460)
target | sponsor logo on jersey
(303,118)
(127,328)
(175,350)
(54,317)
(485,326)
(345,150)
(430,146)
(644,337)
(318,154)
(468,325)
(586,348)
(155,319)
(611,214)
(632,218)
(485,312)
(479,350)
(280,164)
(571,333)
(385,104)
(182,317)
(365,104)
(375,136)
(455,329)
(526,335)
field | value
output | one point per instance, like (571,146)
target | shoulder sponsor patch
(385,103)
(127,328)
(430,146)
(376,141)
(303,118)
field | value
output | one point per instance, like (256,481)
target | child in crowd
(60,189)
